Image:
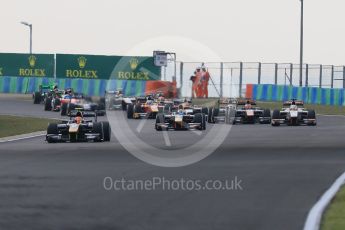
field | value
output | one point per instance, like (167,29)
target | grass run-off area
(334,217)
(319,109)
(13,125)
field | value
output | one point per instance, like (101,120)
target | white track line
(141,125)
(166,138)
(22,137)
(330,115)
(314,217)
(199,133)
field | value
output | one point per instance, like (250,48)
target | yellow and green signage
(75,66)
(26,65)
(106,67)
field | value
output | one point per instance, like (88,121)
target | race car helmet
(68,91)
(293,107)
(248,105)
(78,117)
(119,92)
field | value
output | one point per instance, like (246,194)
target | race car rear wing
(73,113)
(297,102)
(45,86)
(244,101)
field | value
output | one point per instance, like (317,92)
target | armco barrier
(90,87)
(310,95)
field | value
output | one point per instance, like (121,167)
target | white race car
(293,113)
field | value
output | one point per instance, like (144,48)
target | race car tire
(275,115)
(56,102)
(130,111)
(101,106)
(98,128)
(210,115)
(200,118)
(70,107)
(204,110)
(215,113)
(102,100)
(48,104)
(159,119)
(106,131)
(37,98)
(167,109)
(267,113)
(311,114)
(52,129)
(137,108)
(124,106)
(63,109)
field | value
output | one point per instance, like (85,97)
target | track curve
(60,186)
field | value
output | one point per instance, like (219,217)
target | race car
(225,112)
(71,101)
(52,100)
(293,113)
(79,129)
(143,108)
(247,113)
(43,90)
(186,105)
(180,120)
(115,100)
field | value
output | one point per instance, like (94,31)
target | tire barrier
(89,87)
(310,95)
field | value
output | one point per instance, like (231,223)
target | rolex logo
(134,63)
(82,62)
(32,61)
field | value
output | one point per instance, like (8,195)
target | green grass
(13,125)
(319,109)
(334,218)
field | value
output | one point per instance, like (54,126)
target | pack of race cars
(65,101)
(183,115)
(169,114)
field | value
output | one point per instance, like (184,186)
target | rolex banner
(26,65)
(106,67)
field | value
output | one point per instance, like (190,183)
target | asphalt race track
(283,170)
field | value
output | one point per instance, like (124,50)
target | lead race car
(79,129)
(293,113)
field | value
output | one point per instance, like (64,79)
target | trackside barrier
(90,87)
(310,95)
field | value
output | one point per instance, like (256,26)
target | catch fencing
(229,79)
